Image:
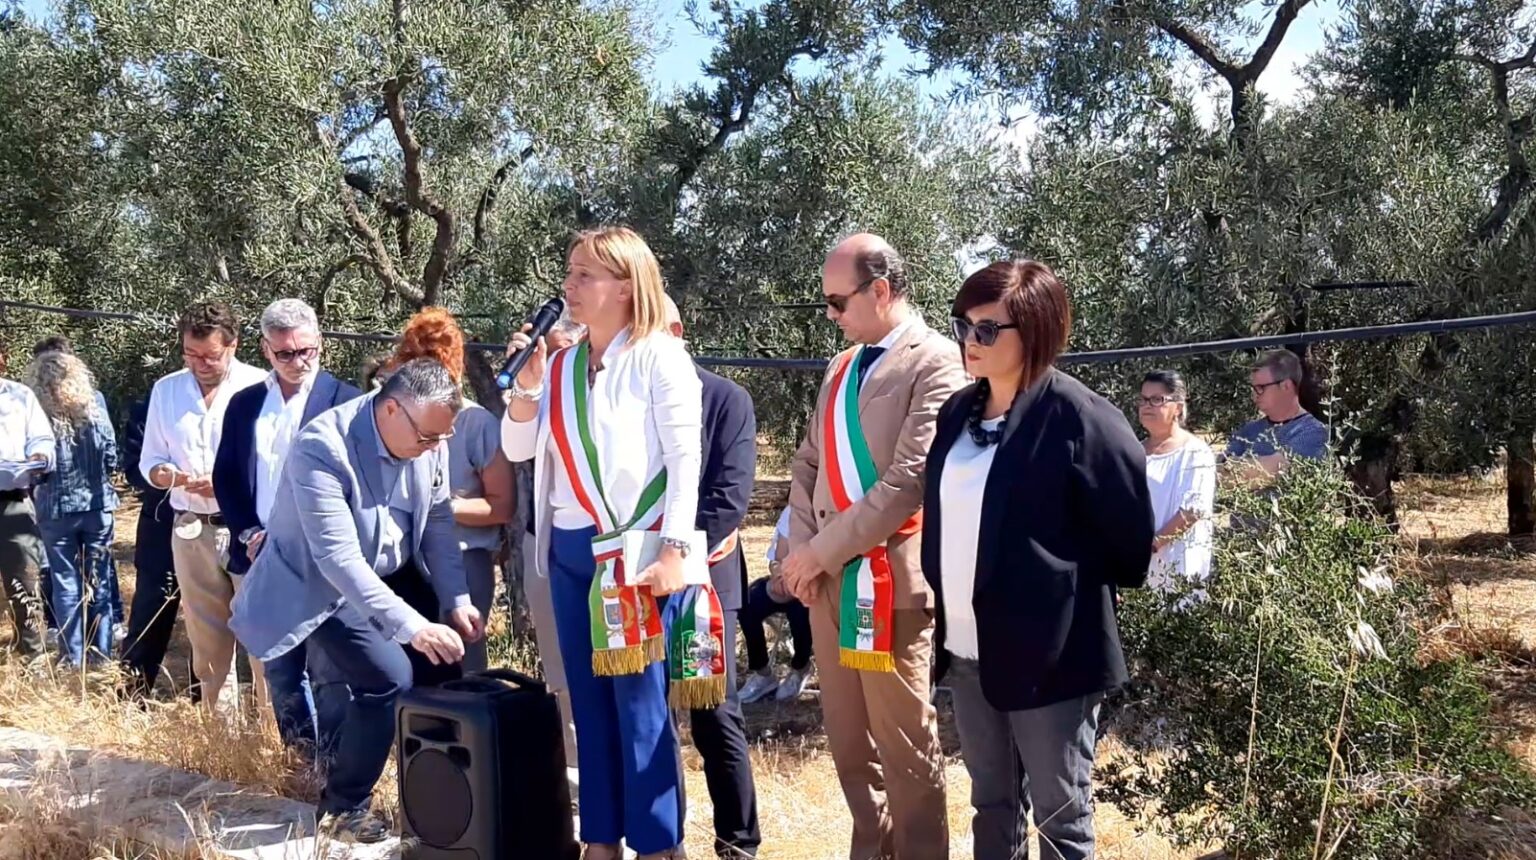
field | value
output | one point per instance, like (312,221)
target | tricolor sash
(866,598)
(625,625)
(626,628)
(697,641)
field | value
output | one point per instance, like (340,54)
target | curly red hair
(432,333)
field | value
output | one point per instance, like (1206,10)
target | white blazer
(646,407)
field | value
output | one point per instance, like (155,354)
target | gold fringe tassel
(619,661)
(867,661)
(630,660)
(693,694)
(655,649)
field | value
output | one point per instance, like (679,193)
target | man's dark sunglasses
(986,331)
(839,303)
(288,356)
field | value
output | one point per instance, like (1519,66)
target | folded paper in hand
(642,547)
(19,474)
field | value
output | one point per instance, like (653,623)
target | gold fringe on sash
(694,694)
(631,660)
(620,661)
(867,661)
(656,648)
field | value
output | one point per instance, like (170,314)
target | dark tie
(867,357)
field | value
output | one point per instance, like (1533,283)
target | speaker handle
(513,676)
(510,677)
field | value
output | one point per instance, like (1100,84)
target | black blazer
(726,476)
(234,468)
(1066,519)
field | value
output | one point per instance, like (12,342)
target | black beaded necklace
(979,434)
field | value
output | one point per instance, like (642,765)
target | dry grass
(1447,521)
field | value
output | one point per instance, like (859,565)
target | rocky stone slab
(112,797)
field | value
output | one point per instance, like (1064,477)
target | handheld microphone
(542,321)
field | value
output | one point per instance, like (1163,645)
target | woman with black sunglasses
(1036,510)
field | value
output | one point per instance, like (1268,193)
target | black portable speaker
(482,771)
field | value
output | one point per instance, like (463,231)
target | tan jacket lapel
(895,366)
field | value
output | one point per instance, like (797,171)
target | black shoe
(359,825)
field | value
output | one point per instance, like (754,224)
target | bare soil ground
(1451,525)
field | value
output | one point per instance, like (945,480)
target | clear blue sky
(684,50)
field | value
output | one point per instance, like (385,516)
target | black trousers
(759,608)
(21,559)
(156,599)
(720,734)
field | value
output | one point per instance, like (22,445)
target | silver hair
(423,382)
(288,315)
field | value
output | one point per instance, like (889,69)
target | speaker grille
(437,798)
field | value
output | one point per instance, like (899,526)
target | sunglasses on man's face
(985,331)
(1259,389)
(839,301)
(288,356)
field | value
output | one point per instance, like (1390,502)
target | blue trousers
(309,700)
(79,567)
(626,745)
(378,671)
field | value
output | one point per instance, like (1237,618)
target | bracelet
(678,544)
(522,393)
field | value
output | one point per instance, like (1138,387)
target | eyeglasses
(288,356)
(205,359)
(1157,400)
(839,303)
(422,438)
(985,331)
(1263,386)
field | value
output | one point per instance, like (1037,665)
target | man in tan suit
(854,508)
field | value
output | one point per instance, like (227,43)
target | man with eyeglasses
(182,431)
(1261,450)
(854,559)
(308,698)
(361,562)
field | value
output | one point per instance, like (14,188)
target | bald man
(854,559)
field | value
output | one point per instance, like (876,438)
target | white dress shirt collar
(277,425)
(895,334)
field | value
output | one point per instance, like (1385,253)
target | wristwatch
(678,544)
(245,536)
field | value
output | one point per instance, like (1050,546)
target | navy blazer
(234,469)
(725,477)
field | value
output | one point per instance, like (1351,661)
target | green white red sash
(866,596)
(626,628)
(625,625)
(696,641)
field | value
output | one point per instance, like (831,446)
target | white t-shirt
(1182,480)
(960,491)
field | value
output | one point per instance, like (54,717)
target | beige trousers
(207,589)
(883,733)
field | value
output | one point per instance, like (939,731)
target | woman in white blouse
(1181,473)
(613,427)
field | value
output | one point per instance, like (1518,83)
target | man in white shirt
(26,454)
(309,698)
(181,442)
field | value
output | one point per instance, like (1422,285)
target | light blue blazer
(322,541)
